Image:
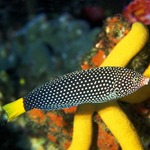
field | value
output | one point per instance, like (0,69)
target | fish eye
(135,79)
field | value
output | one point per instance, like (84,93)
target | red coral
(51,137)
(106,141)
(115,29)
(138,10)
(57,128)
(37,116)
(71,110)
(57,120)
(96,59)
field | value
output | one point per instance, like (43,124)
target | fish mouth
(146,81)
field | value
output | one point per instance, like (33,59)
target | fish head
(128,82)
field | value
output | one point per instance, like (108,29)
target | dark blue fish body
(95,85)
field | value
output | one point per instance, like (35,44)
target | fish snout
(145,81)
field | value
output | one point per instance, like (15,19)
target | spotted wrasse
(95,85)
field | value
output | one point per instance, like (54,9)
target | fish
(96,85)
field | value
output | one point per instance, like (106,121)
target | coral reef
(23,69)
(53,134)
(110,112)
(36,53)
(55,127)
(138,10)
(115,28)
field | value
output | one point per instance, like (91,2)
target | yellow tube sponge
(128,47)
(82,135)
(110,112)
(147,72)
(119,124)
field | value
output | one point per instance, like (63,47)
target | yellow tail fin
(14,109)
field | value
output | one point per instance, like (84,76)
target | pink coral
(138,10)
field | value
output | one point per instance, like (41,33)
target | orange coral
(71,110)
(85,65)
(98,58)
(51,137)
(115,29)
(58,120)
(105,141)
(37,116)
(66,144)
(95,59)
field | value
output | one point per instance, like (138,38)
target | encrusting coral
(111,113)
(114,29)
(90,132)
(138,10)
